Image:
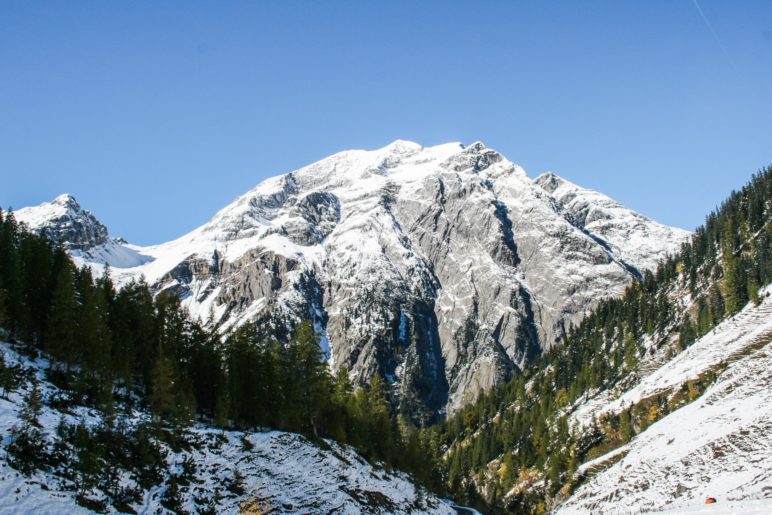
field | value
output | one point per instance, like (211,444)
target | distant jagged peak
(61,205)
(549,181)
(64,221)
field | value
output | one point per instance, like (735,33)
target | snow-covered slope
(441,268)
(718,446)
(282,472)
(636,239)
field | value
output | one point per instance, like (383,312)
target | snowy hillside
(232,471)
(718,446)
(442,268)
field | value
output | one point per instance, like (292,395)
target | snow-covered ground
(753,507)
(718,446)
(283,472)
(725,343)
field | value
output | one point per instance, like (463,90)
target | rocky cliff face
(445,269)
(63,221)
(630,236)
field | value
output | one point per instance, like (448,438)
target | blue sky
(157,114)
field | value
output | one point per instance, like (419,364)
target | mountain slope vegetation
(517,448)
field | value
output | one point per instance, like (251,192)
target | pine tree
(338,417)
(312,375)
(625,426)
(222,409)
(33,406)
(37,260)
(631,351)
(166,400)
(89,457)
(27,448)
(753,291)
(717,306)
(380,422)
(687,333)
(255,389)
(734,282)
(135,334)
(62,331)
(704,317)
(147,458)
(95,340)
(7,378)
(11,274)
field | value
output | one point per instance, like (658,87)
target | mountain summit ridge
(444,269)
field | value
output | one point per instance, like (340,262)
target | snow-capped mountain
(442,268)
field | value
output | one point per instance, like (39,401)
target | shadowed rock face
(67,223)
(444,269)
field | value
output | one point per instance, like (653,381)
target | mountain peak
(400,145)
(63,221)
(549,181)
(477,146)
(66,199)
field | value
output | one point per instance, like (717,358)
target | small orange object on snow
(710,500)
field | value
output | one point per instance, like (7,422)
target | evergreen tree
(625,426)
(168,399)
(311,377)
(7,377)
(95,340)
(89,457)
(62,331)
(11,274)
(380,433)
(27,448)
(734,282)
(716,301)
(687,334)
(135,334)
(37,259)
(253,391)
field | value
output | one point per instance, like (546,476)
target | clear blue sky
(156,114)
